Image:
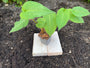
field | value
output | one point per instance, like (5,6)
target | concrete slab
(50,47)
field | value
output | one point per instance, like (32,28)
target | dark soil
(16,48)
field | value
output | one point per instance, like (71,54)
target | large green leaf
(32,5)
(76,19)
(50,25)
(19,25)
(62,18)
(80,11)
(32,14)
(41,23)
(33,9)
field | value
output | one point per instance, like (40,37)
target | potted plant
(48,20)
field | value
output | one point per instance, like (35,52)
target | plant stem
(43,34)
(42,31)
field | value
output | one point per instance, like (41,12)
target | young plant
(48,20)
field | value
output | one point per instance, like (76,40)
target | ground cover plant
(87,1)
(48,20)
(17,2)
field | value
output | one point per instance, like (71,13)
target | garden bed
(16,48)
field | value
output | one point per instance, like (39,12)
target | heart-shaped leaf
(76,19)
(80,11)
(19,25)
(50,25)
(33,9)
(62,18)
(41,23)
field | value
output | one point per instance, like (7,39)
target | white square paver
(50,47)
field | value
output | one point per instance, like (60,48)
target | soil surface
(16,48)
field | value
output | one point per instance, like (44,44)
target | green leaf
(19,25)
(41,23)
(33,9)
(62,18)
(80,11)
(76,19)
(33,14)
(50,25)
(32,5)
(5,1)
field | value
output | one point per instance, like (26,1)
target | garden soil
(16,48)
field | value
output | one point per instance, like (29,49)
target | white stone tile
(50,47)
